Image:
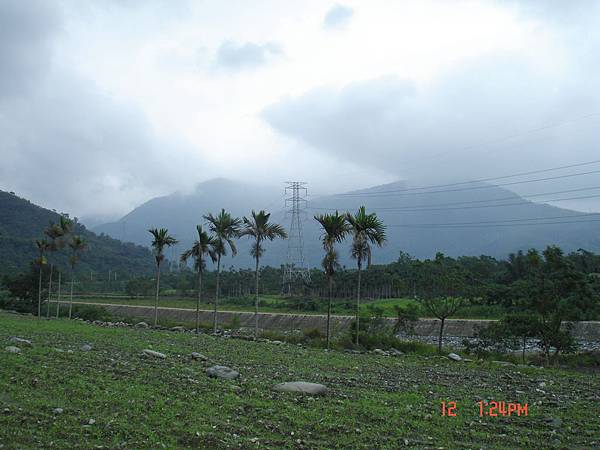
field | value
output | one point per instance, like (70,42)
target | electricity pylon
(296,268)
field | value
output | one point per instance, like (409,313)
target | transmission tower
(296,268)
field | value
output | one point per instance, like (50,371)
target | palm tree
(66,226)
(259,228)
(366,229)
(335,227)
(42,247)
(161,240)
(204,246)
(77,245)
(57,234)
(225,229)
(54,233)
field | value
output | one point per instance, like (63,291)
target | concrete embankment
(589,331)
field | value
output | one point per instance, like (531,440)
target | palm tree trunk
(358,303)
(441,334)
(49,290)
(329,312)
(157,289)
(40,294)
(256,302)
(71,299)
(58,301)
(217,294)
(199,299)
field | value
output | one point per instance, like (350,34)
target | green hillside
(22,222)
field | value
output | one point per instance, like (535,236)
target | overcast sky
(106,104)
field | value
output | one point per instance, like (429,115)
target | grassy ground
(374,401)
(277,304)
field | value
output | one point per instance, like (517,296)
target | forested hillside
(22,222)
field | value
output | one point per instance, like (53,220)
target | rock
(222,372)
(396,352)
(378,351)
(12,349)
(177,329)
(199,356)
(302,387)
(18,340)
(503,363)
(553,422)
(141,325)
(58,410)
(276,342)
(454,357)
(86,347)
(154,354)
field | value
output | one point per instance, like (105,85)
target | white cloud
(124,102)
(338,16)
(234,57)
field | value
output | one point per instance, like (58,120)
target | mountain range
(480,219)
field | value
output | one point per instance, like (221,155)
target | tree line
(366,230)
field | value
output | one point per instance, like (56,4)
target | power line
(442,206)
(499,221)
(378,193)
(481,180)
(508,138)
(487,225)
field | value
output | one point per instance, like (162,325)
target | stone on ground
(454,357)
(302,387)
(18,340)
(199,356)
(141,325)
(154,354)
(12,349)
(222,372)
(86,348)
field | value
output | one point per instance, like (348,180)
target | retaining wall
(588,331)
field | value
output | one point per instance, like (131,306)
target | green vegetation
(225,229)
(22,222)
(112,396)
(258,228)
(202,248)
(335,228)
(160,240)
(366,230)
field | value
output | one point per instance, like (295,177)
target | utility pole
(295,267)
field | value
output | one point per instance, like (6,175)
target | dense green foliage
(22,222)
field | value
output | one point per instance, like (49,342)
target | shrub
(407,317)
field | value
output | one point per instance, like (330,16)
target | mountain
(409,214)
(22,222)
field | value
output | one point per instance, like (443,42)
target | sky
(106,104)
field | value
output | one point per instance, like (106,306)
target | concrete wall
(589,331)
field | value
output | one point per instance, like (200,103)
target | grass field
(114,397)
(277,304)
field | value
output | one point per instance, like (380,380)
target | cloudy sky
(106,104)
